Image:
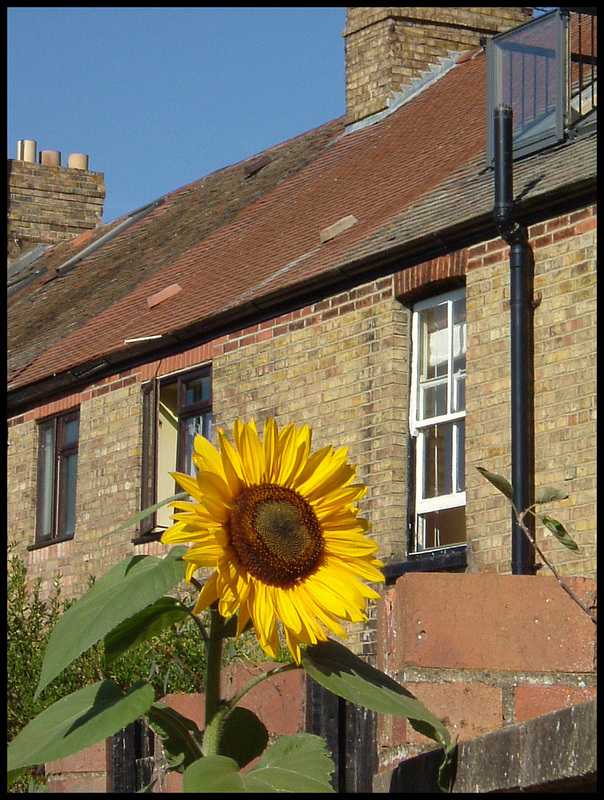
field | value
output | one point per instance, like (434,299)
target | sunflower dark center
(275,533)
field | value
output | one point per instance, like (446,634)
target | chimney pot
(26,150)
(52,158)
(77,161)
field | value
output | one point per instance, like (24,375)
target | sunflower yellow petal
(242,619)
(294,447)
(365,568)
(333,588)
(294,645)
(203,555)
(208,595)
(270,445)
(333,474)
(231,465)
(263,617)
(344,523)
(187,483)
(313,608)
(206,457)
(250,451)
(286,611)
(316,463)
(348,545)
(214,486)
(341,499)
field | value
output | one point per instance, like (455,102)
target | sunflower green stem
(213,666)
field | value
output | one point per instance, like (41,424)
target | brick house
(353,279)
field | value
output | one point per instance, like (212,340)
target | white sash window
(437,420)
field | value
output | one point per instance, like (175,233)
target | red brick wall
(480,651)
(279,702)
(483,652)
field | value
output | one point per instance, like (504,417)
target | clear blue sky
(160,97)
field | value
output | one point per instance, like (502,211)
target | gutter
(521,341)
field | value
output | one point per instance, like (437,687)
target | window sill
(49,542)
(154,536)
(442,559)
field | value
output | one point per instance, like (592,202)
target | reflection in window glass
(58,439)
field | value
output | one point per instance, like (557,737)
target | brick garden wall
(483,652)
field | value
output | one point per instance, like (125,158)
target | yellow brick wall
(388,48)
(565,390)
(47,205)
(341,366)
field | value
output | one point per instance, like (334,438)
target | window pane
(434,338)
(69,468)
(438,460)
(167,447)
(459,334)
(46,482)
(459,392)
(71,431)
(434,400)
(441,528)
(460,451)
(193,428)
(198,390)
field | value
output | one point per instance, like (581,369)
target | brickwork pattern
(565,389)
(341,365)
(47,205)
(388,48)
(510,648)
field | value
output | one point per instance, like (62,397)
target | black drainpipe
(521,335)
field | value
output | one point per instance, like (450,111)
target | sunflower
(280,527)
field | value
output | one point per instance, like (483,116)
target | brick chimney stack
(388,49)
(48,203)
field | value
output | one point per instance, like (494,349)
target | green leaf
(548,494)
(298,763)
(146,512)
(559,531)
(123,591)
(180,736)
(78,721)
(498,481)
(345,674)
(243,737)
(144,625)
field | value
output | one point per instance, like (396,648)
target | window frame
(148,527)
(59,505)
(419,424)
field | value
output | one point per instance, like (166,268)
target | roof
(245,241)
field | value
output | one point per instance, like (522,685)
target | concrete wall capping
(555,752)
